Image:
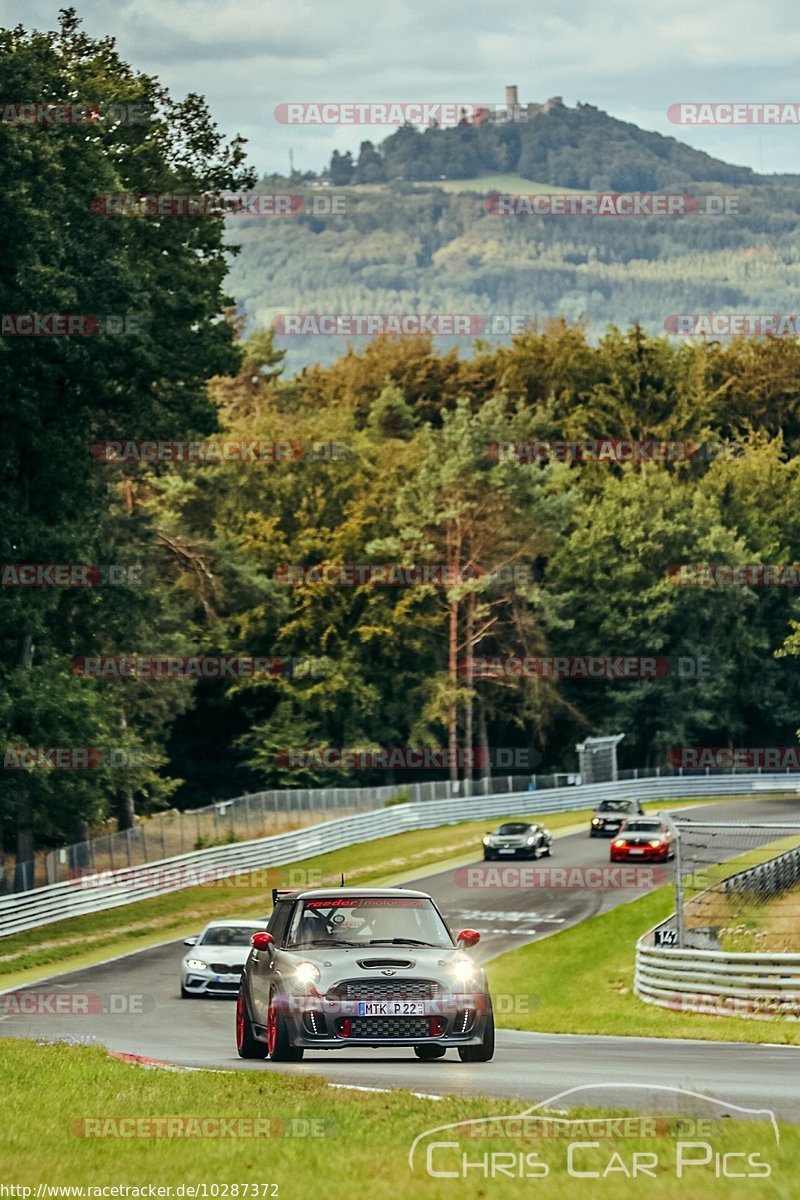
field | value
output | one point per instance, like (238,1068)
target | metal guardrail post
(679,923)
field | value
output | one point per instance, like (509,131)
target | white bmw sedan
(213,965)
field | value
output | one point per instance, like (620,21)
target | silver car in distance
(214,965)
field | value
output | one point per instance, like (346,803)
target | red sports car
(648,838)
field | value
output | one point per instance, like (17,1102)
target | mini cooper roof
(335,890)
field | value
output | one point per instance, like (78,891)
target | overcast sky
(629,58)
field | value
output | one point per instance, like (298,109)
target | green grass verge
(82,941)
(363,1153)
(508,184)
(581,981)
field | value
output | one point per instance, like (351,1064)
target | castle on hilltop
(512,110)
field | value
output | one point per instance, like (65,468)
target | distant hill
(580,147)
(411,242)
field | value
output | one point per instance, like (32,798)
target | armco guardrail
(768,878)
(712,981)
(746,983)
(43,905)
(262,814)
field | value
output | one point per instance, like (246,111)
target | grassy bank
(362,1140)
(582,981)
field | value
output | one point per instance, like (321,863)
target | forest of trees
(416,248)
(417,484)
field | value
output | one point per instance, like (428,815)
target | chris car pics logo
(680,1145)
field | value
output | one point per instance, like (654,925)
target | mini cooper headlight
(196,964)
(466,972)
(487,841)
(530,841)
(306,973)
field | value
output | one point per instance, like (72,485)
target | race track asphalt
(157,1024)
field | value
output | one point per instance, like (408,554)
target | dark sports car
(517,839)
(609,815)
(371,967)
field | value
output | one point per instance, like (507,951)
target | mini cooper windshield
(367,921)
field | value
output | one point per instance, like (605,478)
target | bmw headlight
(466,972)
(196,964)
(306,973)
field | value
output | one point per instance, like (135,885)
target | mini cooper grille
(390,1027)
(385,989)
(226,968)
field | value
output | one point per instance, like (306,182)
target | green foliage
(402,797)
(418,482)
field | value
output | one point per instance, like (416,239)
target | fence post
(679,931)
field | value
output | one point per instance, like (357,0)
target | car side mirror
(192,941)
(262,941)
(468,937)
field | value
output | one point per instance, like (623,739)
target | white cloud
(247,56)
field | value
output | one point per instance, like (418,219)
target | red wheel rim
(239,1021)
(271,1029)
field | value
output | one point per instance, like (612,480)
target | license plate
(635,851)
(391,1008)
(225,978)
(506,849)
